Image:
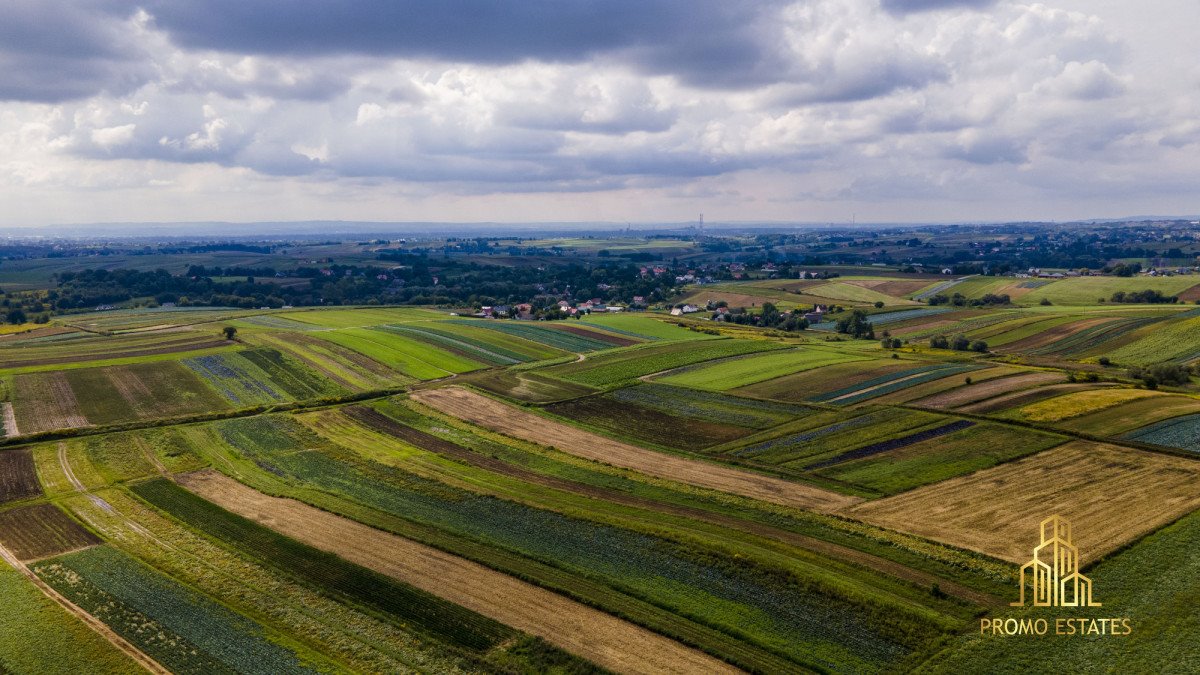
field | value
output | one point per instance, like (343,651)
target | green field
(1089,290)
(731,374)
(631,363)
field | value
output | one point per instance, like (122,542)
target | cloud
(58,50)
(909,6)
(725,43)
(109,137)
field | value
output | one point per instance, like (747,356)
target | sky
(597,110)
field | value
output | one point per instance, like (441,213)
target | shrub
(1105,361)
(979,346)
(939,342)
(878,304)
(1045,302)
(960,343)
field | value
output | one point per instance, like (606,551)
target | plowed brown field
(1112,495)
(590,633)
(494,415)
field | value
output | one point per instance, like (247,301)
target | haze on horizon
(581,110)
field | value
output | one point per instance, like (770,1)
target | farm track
(10,421)
(601,638)
(503,418)
(381,422)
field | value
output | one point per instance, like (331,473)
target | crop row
(176,626)
(1095,336)
(41,530)
(438,618)
(343,634)
(18,477)
(710,406)
(234,378)
(631,363)
(804,623)
(39,636)
(739,372)
(906,314)
(642,423)
(785,446)
(1178,432)
(944,456)
(893,444)
(489,353)
(547,336)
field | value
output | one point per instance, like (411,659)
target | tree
(960,343)
(939,342)
(979,346)
(878,304)
(856,325)
(230,332)
(16,316)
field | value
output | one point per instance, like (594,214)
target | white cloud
(110,137)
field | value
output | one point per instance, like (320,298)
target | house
(817,315)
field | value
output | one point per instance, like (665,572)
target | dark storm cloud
(704,42)
(56,50)
(908,6)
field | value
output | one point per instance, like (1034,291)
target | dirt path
(599,637)
(10,421)
(379,422)
(92,622)
(494,415)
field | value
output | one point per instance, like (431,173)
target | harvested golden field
(1080,403)
(590,633)
(497,416)
(1111,494)
(978,391)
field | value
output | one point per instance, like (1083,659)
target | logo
(1053,579)
(1053,574)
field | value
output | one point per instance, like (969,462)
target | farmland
(616,367)
(1079,480)
(396,489)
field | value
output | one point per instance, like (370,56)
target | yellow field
(1080,403)
(1112,495)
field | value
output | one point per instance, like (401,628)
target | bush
(1105,361)
(979,346)
(1045,302)
(939,342)
(960,343)
(878,304)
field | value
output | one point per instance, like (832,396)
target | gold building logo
(1052,576)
